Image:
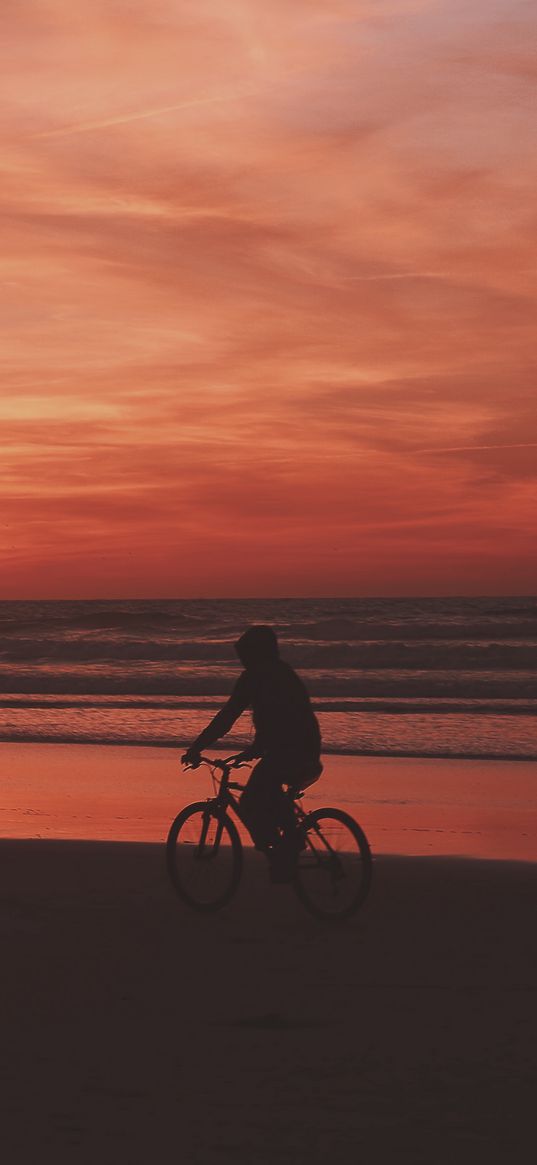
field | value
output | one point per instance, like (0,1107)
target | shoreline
(107,742)
(406,805)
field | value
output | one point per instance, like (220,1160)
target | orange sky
(268,298)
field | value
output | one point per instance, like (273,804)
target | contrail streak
(106,123)
(471,448)
(396,275)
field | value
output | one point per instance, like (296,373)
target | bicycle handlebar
(232,762)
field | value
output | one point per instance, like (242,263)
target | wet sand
(133,1028)
(477,808)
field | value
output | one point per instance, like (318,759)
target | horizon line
(262,598)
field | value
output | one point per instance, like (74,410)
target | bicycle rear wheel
(204,857)
(333,873)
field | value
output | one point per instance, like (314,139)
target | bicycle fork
(204,853)
(327,856)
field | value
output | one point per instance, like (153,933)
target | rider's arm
(224,720)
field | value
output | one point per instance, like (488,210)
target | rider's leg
(298,771)
(260,805)
(286,813)
(265,809)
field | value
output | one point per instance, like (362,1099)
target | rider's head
(257,648)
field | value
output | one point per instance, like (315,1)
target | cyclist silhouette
(287,739)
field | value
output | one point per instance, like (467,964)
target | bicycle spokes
(204,857)
(334,870)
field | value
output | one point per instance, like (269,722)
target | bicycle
(204,851)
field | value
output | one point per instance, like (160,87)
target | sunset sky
(268,298)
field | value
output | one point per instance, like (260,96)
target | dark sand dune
(134,1028)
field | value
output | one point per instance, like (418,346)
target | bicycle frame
(224,800)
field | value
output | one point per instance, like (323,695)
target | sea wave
(396,654)
(210,704)
(371,630)
(111,620)
(369,735)
(165,679)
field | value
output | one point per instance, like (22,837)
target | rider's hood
(257,647)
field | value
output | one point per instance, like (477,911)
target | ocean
(390,677)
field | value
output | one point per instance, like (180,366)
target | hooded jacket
(283,717)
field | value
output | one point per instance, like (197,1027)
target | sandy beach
(133,1027)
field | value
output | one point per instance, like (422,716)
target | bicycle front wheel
(204,857)
(334,869)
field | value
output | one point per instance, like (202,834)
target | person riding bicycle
(287,740)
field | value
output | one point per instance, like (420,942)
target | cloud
(268,297)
